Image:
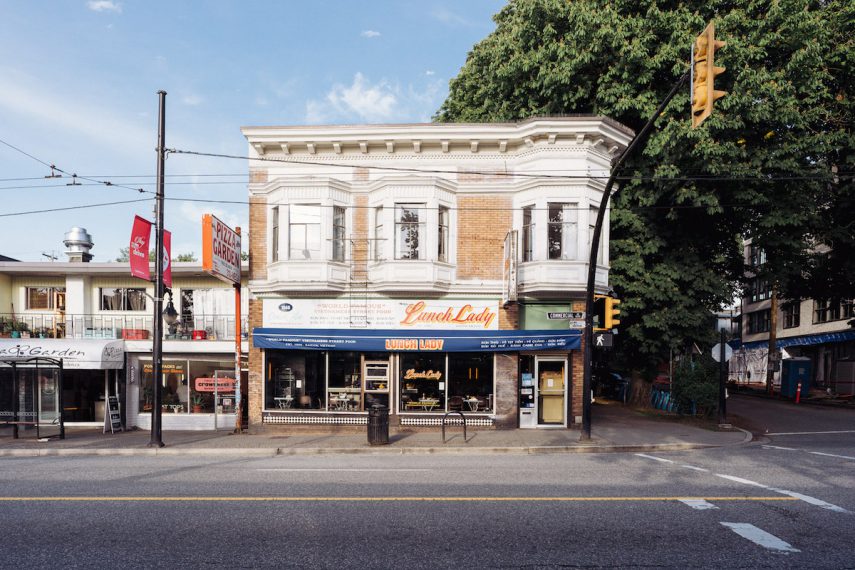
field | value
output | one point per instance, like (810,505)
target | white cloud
(192,212)
(384,101)
(369,34)
(191,99)
(430,72)
(368,102)
(65,113)
(448,17)
(104,6)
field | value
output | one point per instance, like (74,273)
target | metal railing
(129,327)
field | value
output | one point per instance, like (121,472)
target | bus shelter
(31,396)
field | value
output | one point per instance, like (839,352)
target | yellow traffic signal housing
(612,312)
(704,93)
(600,312)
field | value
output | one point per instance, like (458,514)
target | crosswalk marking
(833,455)
(806,498)
(760,537)
(654,458)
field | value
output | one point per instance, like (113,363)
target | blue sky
(79,82)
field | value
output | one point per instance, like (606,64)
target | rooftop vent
(79,242)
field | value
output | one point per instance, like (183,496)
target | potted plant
(198,400)
(5,327)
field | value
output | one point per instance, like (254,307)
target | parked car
(611,385)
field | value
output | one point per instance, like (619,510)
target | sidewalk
(614,429)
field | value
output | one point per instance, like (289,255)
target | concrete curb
(300,451)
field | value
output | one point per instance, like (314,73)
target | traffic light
(612,312)
(704,93)
(600,312)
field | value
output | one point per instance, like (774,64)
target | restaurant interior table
(472,403)
(284,402)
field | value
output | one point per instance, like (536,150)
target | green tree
(125,256)
(677,227)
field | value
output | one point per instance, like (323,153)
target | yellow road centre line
(384,499)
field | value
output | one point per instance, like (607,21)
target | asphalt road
(782,501)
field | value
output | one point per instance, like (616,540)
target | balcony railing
(128,327)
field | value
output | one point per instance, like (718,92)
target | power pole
(157,343)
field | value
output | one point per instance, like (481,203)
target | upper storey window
(409,231)
(528,234)
(443,232)
(561,231)
(339,235)
(304,231)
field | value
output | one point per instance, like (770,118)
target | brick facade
(482,222)
(257,270)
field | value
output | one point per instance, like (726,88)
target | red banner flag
(138,250)
(167,259)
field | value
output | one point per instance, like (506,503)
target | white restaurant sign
(220,249)
(454,314)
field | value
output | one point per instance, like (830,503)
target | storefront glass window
(470,382)
(423,382)
(174,388)
(296,380)
(344,382)
(205,376)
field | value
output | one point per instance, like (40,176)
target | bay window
(561,231)
(442,231)
(528,234)
(409,231)
(339,247)
(304,231)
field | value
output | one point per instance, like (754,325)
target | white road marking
(693,468)
(779,447)
(332,470)
(832,455)
(654,458)
(760,537)
(811,432)
(807,499)
(698,504)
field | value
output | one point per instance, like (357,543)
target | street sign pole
(722,380)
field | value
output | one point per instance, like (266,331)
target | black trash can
(378,425)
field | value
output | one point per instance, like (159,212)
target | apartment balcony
(127,327)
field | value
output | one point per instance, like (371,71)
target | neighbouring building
(98,319)
(429,268)
(815,340)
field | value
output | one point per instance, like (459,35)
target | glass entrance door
(551,391)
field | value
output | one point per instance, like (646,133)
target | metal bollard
(378,425)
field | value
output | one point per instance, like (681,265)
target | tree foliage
(125,256)
(678,224)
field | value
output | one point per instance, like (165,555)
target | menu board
(112,415)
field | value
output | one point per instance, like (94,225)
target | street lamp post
(157,343)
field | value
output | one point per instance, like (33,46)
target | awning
(396,340)
(75,354)
(805,340)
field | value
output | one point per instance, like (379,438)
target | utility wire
(81,207)
(54,169)
(500,173)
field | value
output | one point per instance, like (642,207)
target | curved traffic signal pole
(592,262)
